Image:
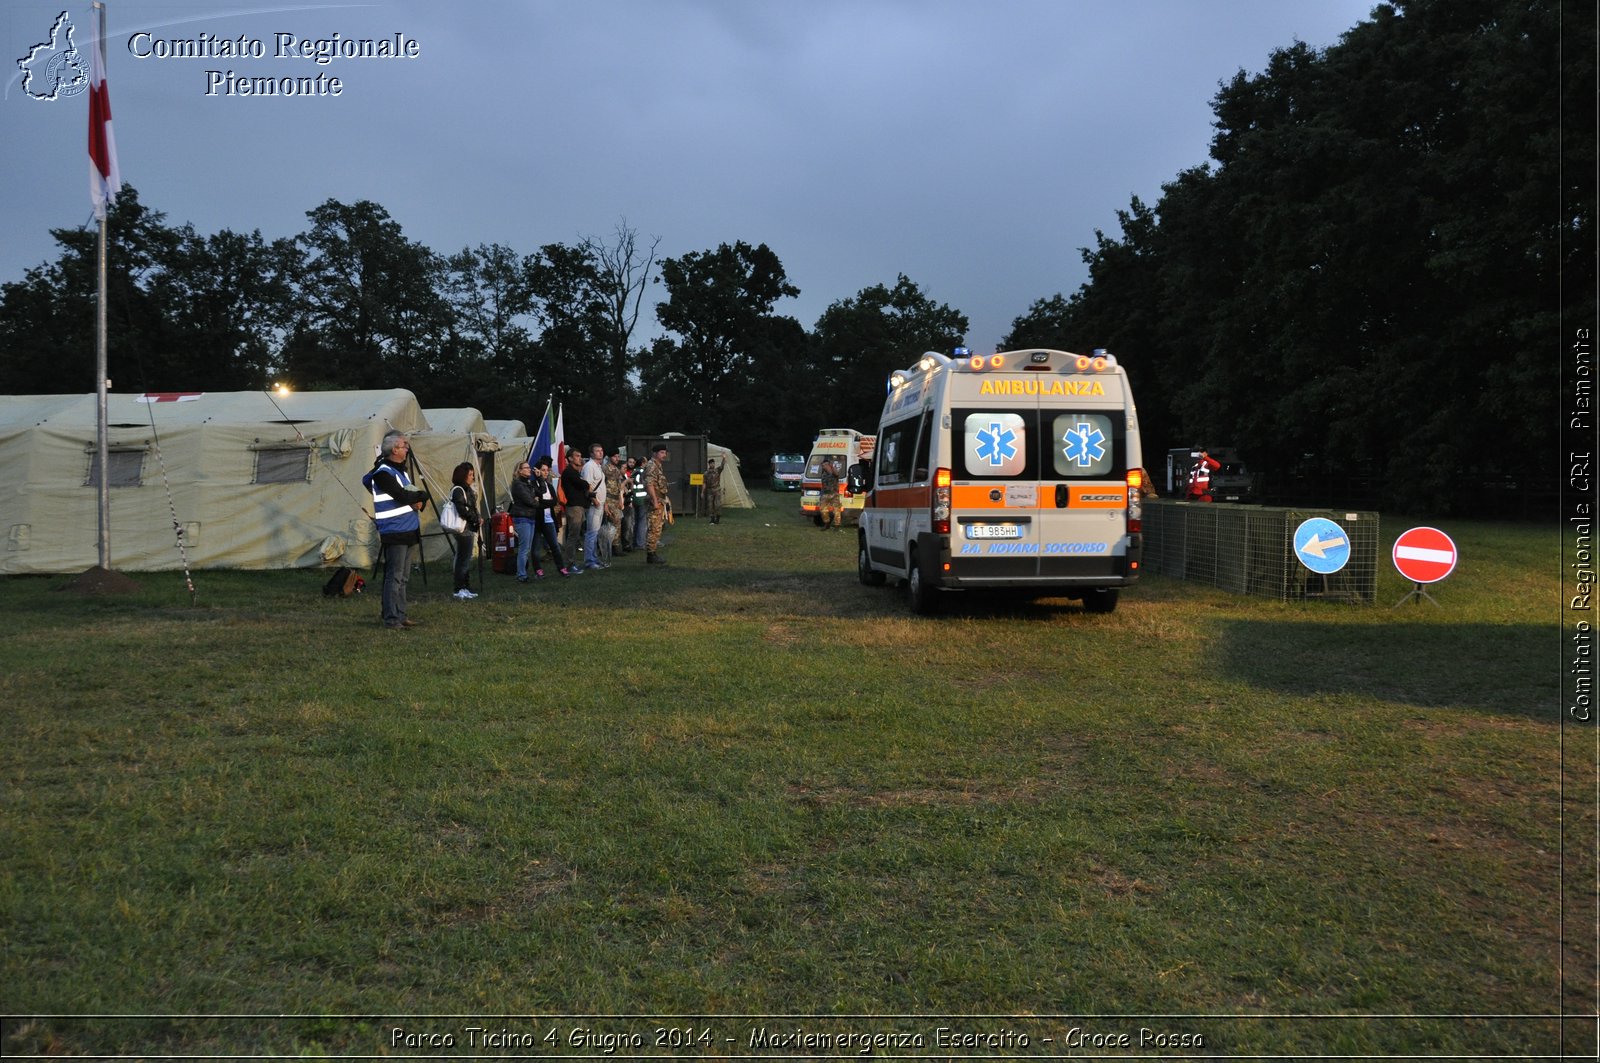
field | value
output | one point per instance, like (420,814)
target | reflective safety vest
(393,517)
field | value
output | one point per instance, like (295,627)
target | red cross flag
(105,178)
(1424,555)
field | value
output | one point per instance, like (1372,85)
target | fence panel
(1250,549)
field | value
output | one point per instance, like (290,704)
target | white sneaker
(462,594)
(467,594)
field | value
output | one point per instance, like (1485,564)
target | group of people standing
(604,506)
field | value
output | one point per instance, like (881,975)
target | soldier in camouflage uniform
(612,521)
(830,509)
(714,489)
(656,486)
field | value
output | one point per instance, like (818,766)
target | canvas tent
(256,481)
(734,493)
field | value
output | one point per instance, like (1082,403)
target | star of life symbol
(996,444)
(1086,444)
(54,64)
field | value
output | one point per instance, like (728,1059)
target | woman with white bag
(465,501)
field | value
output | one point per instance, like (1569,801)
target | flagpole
(101,384)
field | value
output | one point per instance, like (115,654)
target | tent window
(127,468)
(283,465)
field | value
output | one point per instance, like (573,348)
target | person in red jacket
(1200,476)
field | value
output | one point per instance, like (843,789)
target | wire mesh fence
(1251,550)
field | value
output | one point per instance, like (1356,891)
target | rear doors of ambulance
(1038,479)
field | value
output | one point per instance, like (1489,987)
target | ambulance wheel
(1101,601)
(924,597)
(868,575)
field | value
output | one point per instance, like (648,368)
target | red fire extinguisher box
(501,543)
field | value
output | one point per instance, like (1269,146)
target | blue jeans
(396,574)
(525,531)
(591,534)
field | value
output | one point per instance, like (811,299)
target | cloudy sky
(974,147)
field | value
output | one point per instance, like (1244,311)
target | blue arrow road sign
(1321,545)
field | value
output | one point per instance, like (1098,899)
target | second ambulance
(1018,471)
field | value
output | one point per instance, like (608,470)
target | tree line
(1361,290)
(353,303)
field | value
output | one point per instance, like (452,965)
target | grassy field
(744,785)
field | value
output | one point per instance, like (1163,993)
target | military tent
(734,494)
(253,481)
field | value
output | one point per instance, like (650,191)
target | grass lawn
(745,785)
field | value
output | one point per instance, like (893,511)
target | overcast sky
(974,147)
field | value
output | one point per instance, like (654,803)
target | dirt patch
(98,581)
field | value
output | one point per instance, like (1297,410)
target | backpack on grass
(343,583)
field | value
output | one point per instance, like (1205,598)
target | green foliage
(861,340)
(369,312)
(183,312)
(1367,277)
(720,306)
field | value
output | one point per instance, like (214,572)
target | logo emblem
(54,69)
(996,444)
(1086,444)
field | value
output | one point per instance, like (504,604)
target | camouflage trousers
(831,511)
(658,519)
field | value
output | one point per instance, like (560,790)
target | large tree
(1363,281)
(861,340)
(720,307)
(490,347)
(371,311)
(183,312)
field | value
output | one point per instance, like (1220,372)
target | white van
(1014,471)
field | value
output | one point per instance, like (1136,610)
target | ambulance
(848,449)
(1018,471)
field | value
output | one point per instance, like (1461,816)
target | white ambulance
(848,448)
(1017,471)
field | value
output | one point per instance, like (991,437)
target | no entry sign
(1424,555)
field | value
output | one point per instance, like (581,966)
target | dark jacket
(466,500)
(544,498)
(524,504)
(575,487)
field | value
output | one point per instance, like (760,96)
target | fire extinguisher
(500,542)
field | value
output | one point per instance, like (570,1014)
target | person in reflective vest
(1200,476)
(395,507)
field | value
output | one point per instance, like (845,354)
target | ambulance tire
(868,575)
(923,595)
(1101,601)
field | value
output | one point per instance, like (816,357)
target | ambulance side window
(896,444)
(919,467)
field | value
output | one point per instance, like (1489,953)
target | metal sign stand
(1418,594)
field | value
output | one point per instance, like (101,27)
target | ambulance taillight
(941,502)
(1135,501)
